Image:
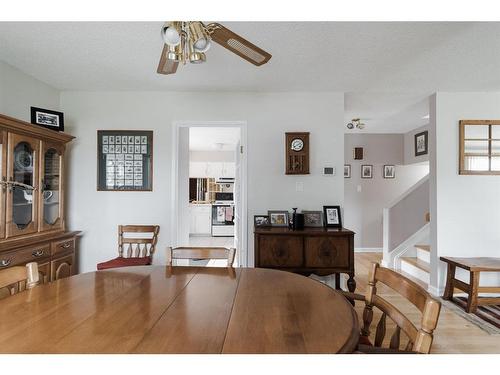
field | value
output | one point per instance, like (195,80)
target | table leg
(337,281)
(351,283)
(450,276)
(473,292)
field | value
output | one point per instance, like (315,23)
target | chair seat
(124,262)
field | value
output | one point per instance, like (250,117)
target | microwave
(221,197)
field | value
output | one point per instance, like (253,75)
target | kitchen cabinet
(212,169)
(200,219)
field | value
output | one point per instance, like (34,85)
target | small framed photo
(313,218)
(278,218)
(366,171)
(261,221)
(47,118)
(333,217)
(421,143)
(347,171)
(389,171)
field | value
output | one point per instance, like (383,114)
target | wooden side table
(475,266)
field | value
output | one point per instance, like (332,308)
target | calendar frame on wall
(142,149)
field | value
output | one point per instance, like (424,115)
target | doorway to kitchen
(209,186)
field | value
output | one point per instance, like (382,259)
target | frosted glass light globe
(171,36)
(202,45)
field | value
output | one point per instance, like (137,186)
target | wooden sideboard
(322,251)
(32,190)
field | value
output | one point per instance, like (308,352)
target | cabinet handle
(37,253)
(66,245)
(5,262)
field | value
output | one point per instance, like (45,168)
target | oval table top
(158,309)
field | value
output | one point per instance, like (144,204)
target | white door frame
(243,258)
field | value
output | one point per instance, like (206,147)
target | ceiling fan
(187,41)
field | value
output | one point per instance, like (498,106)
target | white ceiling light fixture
(219,146)
(356,123)
(187,41)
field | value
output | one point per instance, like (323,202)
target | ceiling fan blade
(166,66)
(238,45)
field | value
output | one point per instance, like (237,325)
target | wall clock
(297,153)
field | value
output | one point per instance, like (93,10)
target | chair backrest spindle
(420,339)
(143,244)
(17,279)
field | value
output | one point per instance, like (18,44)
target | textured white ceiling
(208,138)
(387,69)
(307,56)
(386,112)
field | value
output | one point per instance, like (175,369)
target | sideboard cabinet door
(281,251)
(51,189)
(327,252)
(22,175)
(3,180)
(62,267)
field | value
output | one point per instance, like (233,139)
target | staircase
(417,268)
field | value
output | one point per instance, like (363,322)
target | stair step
(414,279)
(424,247)
(424,266)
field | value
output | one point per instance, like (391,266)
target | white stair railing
(404,221)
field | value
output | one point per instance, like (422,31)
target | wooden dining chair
(17,279)
(419,339)
(201,253)
(136,246)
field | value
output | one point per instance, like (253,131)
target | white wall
(363,210)
(409,146)
(268,117)
(19,92)
(465,210)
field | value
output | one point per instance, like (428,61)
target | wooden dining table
(158,309)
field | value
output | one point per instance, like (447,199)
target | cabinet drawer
(280,251)
(24,255)
(63,246)
(327,252)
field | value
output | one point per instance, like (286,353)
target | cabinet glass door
(50,195)
(3,180)
(21,192)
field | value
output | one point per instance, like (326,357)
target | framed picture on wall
(366,171)
(124,163)
(347,171)
(421,143)
(47,118)
(389,171)
(333,217)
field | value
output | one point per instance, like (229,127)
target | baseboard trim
(368,250)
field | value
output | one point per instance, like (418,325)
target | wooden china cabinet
(32,175)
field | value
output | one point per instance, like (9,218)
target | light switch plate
(299,186)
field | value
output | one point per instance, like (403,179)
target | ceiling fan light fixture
(199,36)
(197,57)
(175,52)
(171,33)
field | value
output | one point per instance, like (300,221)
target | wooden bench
(475,266)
